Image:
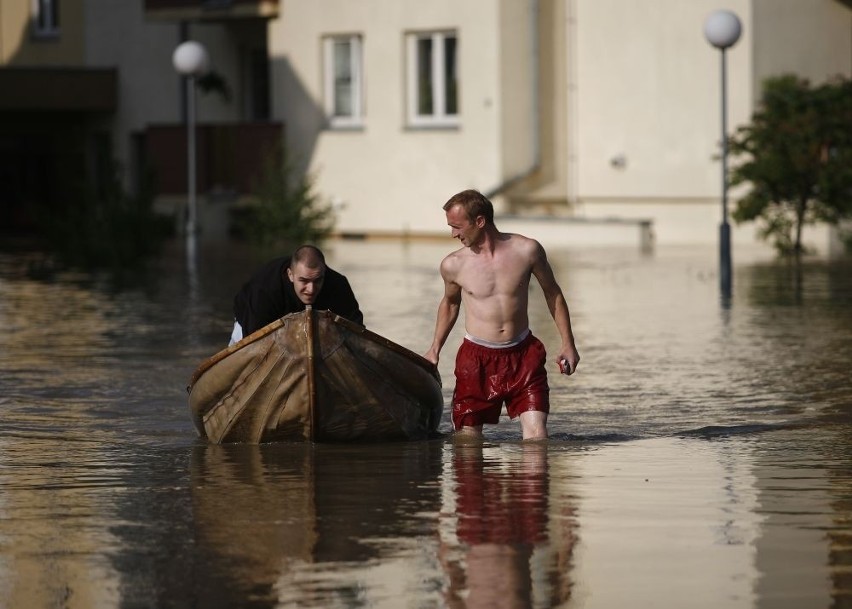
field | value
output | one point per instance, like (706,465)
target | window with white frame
(45,18)
(344,80)
(433,91)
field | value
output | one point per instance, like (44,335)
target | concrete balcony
(27,89)
(210,10)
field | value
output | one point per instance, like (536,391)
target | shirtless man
(499,360)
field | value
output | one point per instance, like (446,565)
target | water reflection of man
(286,285)
(502,520)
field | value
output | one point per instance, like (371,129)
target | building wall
(149,91)
(18,46)
(822,30)
(518,67)
(553,87)
(388,177)
(649,93)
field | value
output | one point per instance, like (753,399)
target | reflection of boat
(315,376)
(294,525)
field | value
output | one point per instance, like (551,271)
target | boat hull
(315,376)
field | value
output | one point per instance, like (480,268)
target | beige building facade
(586,121)
(385,163)
(587,109)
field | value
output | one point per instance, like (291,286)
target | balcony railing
(229,157)
(201,10)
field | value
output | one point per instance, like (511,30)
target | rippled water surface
(700,457)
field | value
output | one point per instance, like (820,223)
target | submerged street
(700,456)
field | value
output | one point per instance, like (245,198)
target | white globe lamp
(191,59)
(722,29)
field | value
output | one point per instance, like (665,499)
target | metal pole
(725,275)
(183,36)
(190,145)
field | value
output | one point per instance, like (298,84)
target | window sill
(44,35)
(433,127)
(346,127)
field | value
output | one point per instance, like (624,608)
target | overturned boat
(317,377)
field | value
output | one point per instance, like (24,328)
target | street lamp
(190,59)
(722,29)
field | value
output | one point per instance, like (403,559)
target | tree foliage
(102,226)
(797,159)
(285,210)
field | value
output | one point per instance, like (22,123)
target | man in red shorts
(499,360)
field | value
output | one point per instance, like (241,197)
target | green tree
(285,210)
(797,159)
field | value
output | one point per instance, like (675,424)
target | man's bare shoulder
(452,262)
(456,257)
(522,245)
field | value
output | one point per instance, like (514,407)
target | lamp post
(722,29)
(190,59)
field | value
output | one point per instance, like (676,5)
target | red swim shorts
(486,378)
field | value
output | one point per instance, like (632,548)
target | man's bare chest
(484,281)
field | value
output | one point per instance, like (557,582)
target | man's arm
(558,310)
(448,312)
(352,311)
(338,296)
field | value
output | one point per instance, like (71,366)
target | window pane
(47,15)
(450,78)
(425,103)
(54,14)
(42,17)
(343,78)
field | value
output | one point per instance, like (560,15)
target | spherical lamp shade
(722,29)
(190,59)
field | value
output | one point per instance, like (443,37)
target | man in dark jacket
(285,285)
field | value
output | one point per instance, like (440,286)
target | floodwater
(700,457)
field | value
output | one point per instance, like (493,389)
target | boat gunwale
(349,325)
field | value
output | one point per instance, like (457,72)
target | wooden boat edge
(415,358)
(218,357)
(337,319)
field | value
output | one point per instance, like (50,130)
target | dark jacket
(269,295)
